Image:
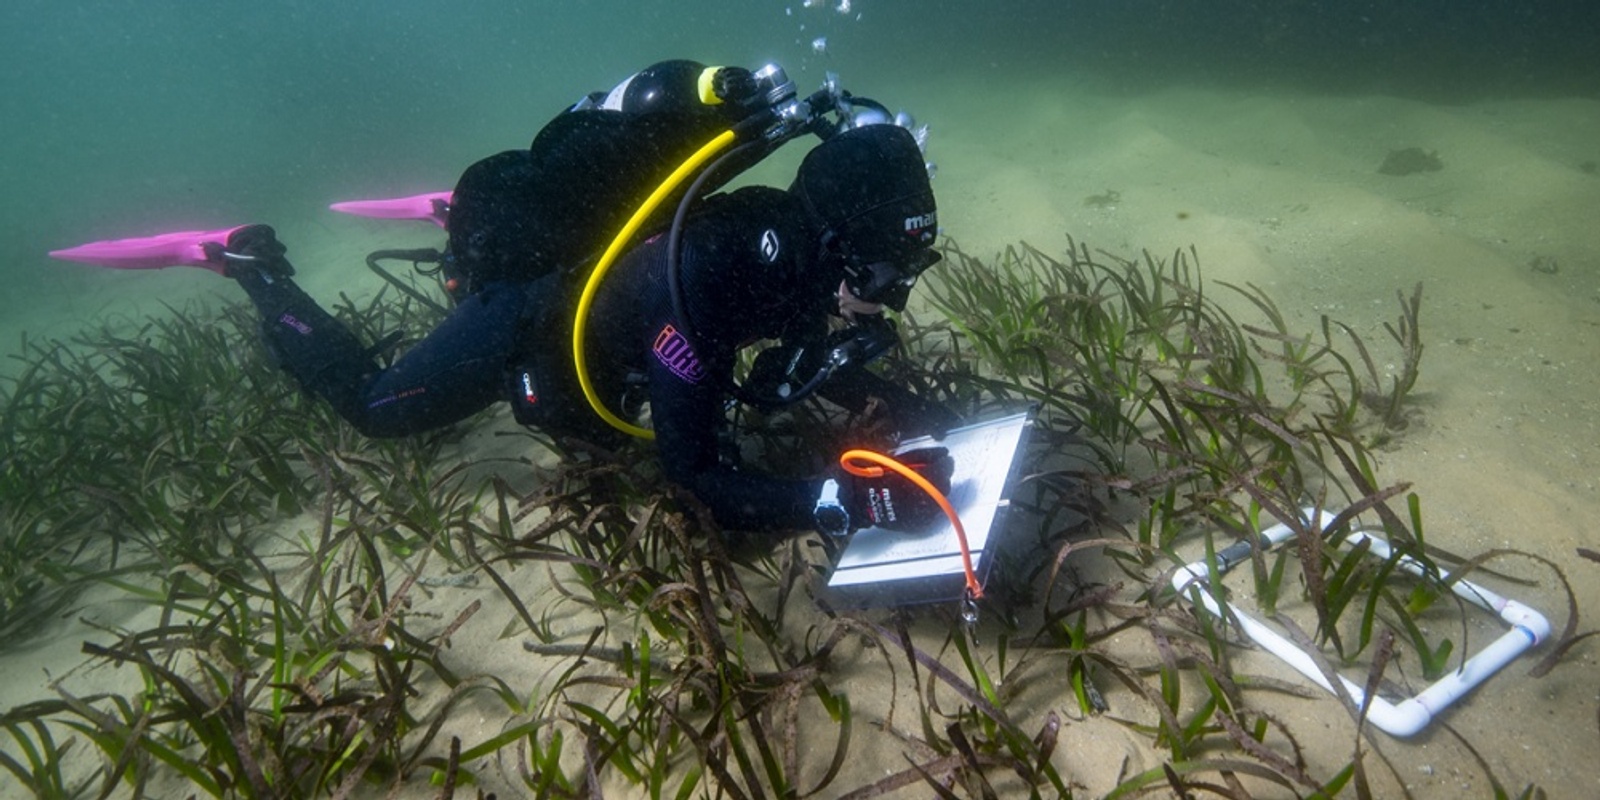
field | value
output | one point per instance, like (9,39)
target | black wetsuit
(527,225)
(523,225)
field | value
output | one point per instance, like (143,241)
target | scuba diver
(525,228)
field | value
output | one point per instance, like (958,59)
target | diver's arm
(855,388)
(688,385)
(687,414)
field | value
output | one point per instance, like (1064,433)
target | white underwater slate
(880,567)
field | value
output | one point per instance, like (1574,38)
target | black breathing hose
(680,310)
(417,257)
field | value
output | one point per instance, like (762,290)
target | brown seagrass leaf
(939,670)
(1178,787)
(958,738)
(1372,499)
(443,639)
(1070,547)
(1045,742)
(1304,641)
(452,768)
(1380,662)
(1265,754)
(906,777)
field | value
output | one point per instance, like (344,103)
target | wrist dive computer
(830,515)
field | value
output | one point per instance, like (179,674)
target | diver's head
(867,190)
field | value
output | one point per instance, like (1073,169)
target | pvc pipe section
(1527,629)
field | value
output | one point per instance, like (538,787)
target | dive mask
(887,281)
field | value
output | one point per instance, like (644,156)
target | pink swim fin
(183,248)
(433,207)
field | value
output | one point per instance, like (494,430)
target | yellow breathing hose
(591,288)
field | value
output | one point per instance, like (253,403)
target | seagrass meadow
(489,612)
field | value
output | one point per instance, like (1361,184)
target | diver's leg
(308,342)
(456,371)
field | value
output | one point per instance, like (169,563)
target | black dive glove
(736,86)
(893,502)
(918,416)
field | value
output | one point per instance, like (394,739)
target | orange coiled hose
(974,588)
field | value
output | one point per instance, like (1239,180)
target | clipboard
(880,568)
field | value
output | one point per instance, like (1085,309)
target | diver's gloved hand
(735,86)
(776,375)
(861,343)
(251,250)
(893,502)
(916,416)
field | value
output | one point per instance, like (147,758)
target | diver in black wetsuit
(521,224)
(847,238)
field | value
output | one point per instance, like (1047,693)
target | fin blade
(433,207)
(176,249)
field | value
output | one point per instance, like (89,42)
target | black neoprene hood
(869,186)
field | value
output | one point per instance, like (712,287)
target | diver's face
(850,305)
(886,282)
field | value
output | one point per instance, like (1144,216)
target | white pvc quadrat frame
(1527,629)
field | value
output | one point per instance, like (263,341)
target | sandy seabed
(1281,191)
